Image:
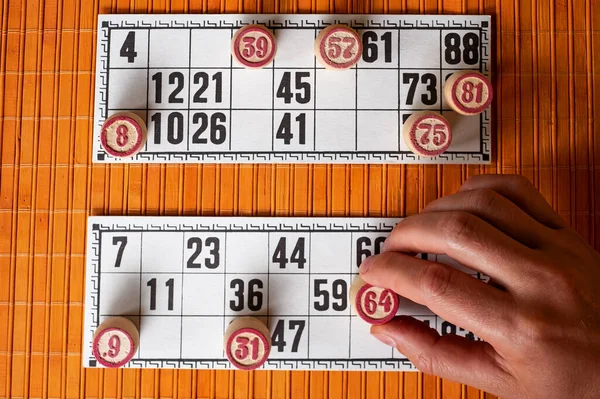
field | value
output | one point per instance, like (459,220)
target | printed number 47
(128,48)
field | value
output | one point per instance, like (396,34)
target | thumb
(475,363)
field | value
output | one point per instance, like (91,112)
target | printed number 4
(128,48)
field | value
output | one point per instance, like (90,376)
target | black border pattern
(107,22)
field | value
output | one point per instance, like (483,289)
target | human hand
(539,316)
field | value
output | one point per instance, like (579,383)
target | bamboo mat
(545,77)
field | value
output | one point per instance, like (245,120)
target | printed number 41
(128,48)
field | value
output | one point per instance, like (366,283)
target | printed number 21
(128,48)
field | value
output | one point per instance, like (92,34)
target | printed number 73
(436,130)
(335,50)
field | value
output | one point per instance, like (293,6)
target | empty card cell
(363,345)
(335,89)
(251,131)
(336,131)
(202,338)
(128,48)
(127,89)
(246,294)
(208,131)
(162,252)
(329,294)
(161,294)
(289,337)
(168,88)
(461,49)
(160,337)
(209,88)
(252,89)
(120,252)
(290,252)
(290,48)
(210,48)
(119,294)
(466,132)
(167,130)
(377,131)
(420,89)
(294,131)
(169,48)
(203,294)
(247,252)
(330,252)
(377,89)
(380,49)
(419,48)
(288,294)
(329,337)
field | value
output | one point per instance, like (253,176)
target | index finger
(468,240)
(453,295)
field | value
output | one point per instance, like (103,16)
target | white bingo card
(182,280)
(177,73)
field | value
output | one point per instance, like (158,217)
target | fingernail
(364,267)
(385,339)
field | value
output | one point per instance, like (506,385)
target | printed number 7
(123,242)
(437,131)
(335,50)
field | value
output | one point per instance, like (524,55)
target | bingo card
(182,280)
(177,73)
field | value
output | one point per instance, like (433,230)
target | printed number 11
(152,284)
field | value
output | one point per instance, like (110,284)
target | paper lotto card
(178,74)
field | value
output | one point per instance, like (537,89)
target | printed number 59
(437,131)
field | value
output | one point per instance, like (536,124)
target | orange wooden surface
(546,82)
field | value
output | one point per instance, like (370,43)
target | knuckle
(425,363)
(484,199)
(459,226)
(436,280)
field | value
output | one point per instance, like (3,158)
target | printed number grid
(183,288)
(197,100)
